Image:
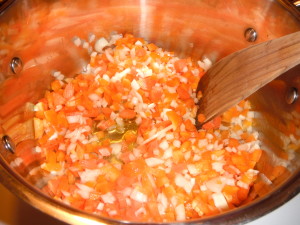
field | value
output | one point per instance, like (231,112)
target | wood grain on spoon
(237,76)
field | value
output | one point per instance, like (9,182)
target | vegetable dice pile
(120,141)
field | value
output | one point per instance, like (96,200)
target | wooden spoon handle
(240,74)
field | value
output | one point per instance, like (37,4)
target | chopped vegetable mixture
(120,141)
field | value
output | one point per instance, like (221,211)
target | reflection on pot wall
(16,212)
(277,118)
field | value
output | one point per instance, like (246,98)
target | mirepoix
(119,139)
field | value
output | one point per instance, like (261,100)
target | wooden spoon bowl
(238,75)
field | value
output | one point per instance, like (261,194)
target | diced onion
(138,196)
(108,198)
(153,161)
(180,212)
(100,44)
(186,184)
(220,201)
(89,175)
(84,190)
(215,185)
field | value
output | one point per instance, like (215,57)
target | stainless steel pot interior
(39,34)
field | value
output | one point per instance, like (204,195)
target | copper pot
(36,37)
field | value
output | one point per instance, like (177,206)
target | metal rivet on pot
(8,144)
(291,95)
(250,34)
(16,65)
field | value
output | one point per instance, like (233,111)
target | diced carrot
(152,47)
(123,181)
(163,124)
(69,91)
(110,172)
(103,186)
(134,168)
(227,116)
(230,169)
(173,82)
(60,156)
(240,162)
(101,117)
(62,120)
(58,99)
(51,116)
(174,118)
(256,154)
(102,82)
(152,145)
(93,113)
(277,172)
(230,193)
(201,134)
(161,181)
(153,211)
(209,125)
(186,146)
(148,83)
(169,191)
(213,124)
(100,134)
(177,157)
(242,194)
(217,121)
(52,167)
(119,87)
(80,150)
(155,94)
(130,136)
(165,58)
(104,124)
(127,114)
(201,118)
(183,93)
(233,143)
(140,52)
(56,85)
(90,205)
(247,137)
(102,66)
(189,126)
(180,65)
(78,203)
(106,142)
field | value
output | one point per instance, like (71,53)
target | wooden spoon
(238,75)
